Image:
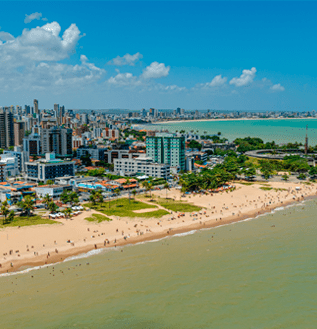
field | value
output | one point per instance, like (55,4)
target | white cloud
(40,44)
(217,81)
(32,17)
(124,79)
(155,70)
(245,78)
(127,59)
(277,87)
(31,61)
(5,36)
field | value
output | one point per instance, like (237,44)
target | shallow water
(244,275)
(281,131)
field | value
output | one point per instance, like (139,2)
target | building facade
(57,140)
(19,131)
(43,170)
(6,129)
(167,148)
(141,165)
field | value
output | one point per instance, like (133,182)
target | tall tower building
(57,140)
(61,114)
(36,106)
(19,130)
(56,109)
(166,148)
(6,129)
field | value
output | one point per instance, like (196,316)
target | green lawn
(98,218)
(24,221)
(123,208)
(264,188)
(173,205)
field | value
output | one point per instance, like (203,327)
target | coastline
(191,225)
(229,119)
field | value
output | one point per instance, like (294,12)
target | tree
(85,159)
(117,192)
(128,183)
(134,192)
(47,200)
(313,172)
(5,210)
(27,204)
(96,195)
(167,187)
(52,206)
(73,198)
(64,197)
(301,176)
(150,188)
(10,217)
(194,145)
(285,177)
(67,212)
(49,182)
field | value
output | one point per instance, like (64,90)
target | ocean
(279,130)
(259,273)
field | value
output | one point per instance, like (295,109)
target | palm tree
(73,198)
(128,183)
(134,192)
(167,187)
(117,192)
(11,217)
(27,204)
(67,212)
(52,206)
(5,210)
(47,200)
(64,197)
(92,198)
(145,185)
(150,188)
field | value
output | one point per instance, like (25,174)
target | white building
(17,153)
(52,190)
(11,165)
(97,132)
(141,165)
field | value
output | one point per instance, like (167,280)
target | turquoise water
(245,275)
(281,131)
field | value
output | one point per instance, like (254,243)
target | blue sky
(252,56)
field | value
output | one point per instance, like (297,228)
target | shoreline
(222,120)
(42,260)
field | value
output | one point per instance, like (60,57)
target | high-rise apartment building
(19,131)
(36,106)
(61,114)
(6,129)
(57,140)
(167,148)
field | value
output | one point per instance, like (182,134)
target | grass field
(173,205)
(265,188)
(24,221)
(98,218)
(123,208)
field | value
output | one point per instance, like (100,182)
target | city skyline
(205,56)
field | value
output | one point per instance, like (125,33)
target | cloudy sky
(250,56)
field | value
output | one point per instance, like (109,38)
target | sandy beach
(44,244)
